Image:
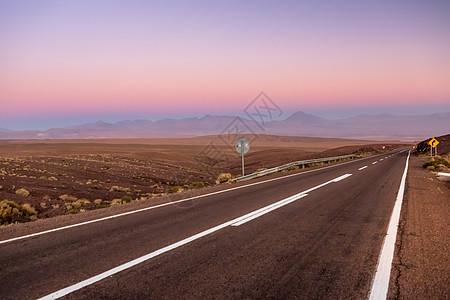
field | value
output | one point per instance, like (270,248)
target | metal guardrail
(299,163)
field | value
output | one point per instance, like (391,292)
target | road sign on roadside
(242,147)
(433,142)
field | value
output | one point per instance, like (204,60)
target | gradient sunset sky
(72,62)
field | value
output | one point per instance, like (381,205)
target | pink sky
(98,58)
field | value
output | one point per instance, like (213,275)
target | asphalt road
(323,243)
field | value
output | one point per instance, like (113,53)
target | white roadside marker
(380,283)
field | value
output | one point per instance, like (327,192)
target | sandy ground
(422,261)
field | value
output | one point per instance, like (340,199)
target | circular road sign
(242,145)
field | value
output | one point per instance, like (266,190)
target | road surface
(309,235)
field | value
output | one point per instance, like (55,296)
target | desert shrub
(23,192)
(223,177)
(431,168)
(68,198)
(197,185)
(77,204)
(98,201)
(85,201)
(28,209)
(116,188)
(125,199)
(75,207)
(437,162)
(116,202)
(1,187)
(52,178)
(174,189)
(11,212)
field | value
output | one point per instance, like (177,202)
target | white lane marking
(341,177)
(134,262)
(169,203)
(381,159)
(362,168)
(380,283)
(374,162)
(268,210)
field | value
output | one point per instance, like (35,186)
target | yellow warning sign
(433,142)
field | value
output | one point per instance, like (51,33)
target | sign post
(242,147)
(433,143)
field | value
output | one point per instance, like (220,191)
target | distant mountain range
(372,127)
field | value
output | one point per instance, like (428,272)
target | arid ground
(57,177)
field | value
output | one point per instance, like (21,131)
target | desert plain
(58,177)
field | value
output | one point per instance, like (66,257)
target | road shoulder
(421,267)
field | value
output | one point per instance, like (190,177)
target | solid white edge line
(169,203)
(380,283)
(134,262)
(362,168)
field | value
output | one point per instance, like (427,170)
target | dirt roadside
(421,267)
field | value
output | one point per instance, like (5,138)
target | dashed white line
(235,222)
(374,162)
(380,283)
(362,168)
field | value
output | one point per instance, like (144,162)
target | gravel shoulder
(421,267)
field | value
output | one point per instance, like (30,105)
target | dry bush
(174,189)
(116,202)
(67,198)
(126,199)
(197,185)
(11,212)
(122,200)
(98,201)
(52,178)
(28,209)
(223,177)
(436,162)
(116,188)
(23,192)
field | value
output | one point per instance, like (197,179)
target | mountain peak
(305,118)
